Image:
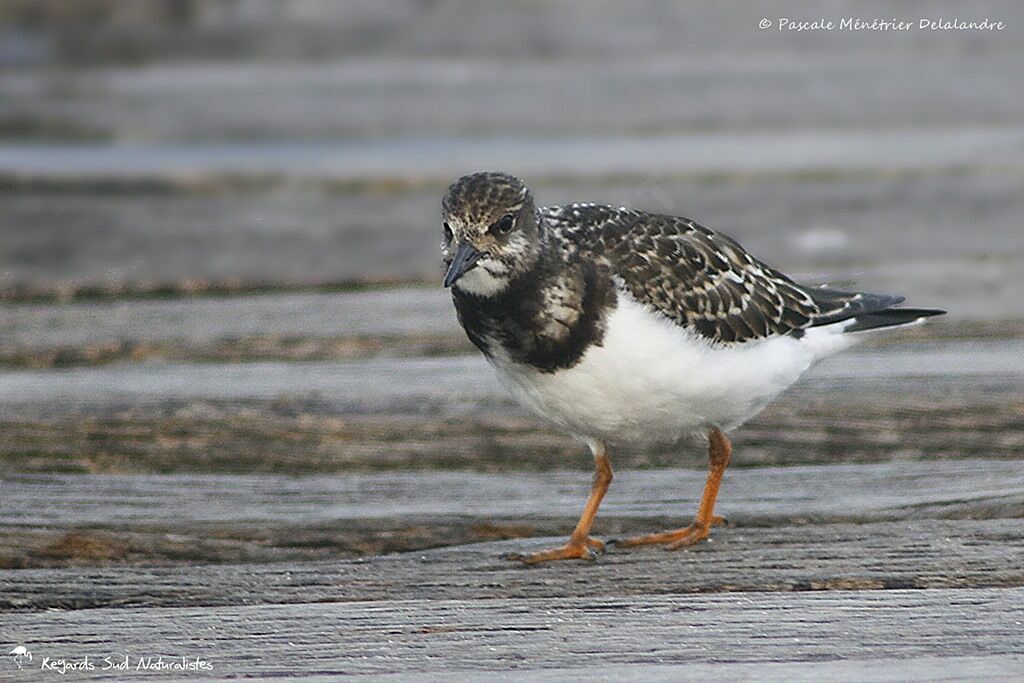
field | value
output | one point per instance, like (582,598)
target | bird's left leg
(719,453)
(580,545)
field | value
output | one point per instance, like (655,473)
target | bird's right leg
(580,545)
(719,454)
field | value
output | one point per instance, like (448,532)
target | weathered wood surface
(948,399)
(294,326)
(386,384)
(856,226)
(703,154)
(195,322)
(926,553)
(725,633)
(345,325)
(433,114)
(354,70)
(969,489)
(463,100)
(324,175)
(891,525)
(465,609)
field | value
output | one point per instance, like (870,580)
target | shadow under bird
(621,326)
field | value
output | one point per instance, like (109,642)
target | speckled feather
(698,278)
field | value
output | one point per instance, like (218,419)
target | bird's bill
(464,260)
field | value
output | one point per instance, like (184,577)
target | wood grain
(969,489)
(926,554)
(874,526)
(908,399)
(726,633)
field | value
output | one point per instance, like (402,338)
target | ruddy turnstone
(621,326)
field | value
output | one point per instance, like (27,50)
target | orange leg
(719,452)
(580,545)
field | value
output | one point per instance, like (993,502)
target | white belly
(652,382)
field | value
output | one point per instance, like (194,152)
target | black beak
(465,258)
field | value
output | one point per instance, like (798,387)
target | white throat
(479,282)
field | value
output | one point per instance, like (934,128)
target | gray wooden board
(191,322)
(399,313)
(934,669)
(723,633)
(387,384)
(370,39)
(421,98)
(760,496)
(908,554)
(296,326)
(910,399)
(892,525)
(695,154)
(889,232)
(541,70)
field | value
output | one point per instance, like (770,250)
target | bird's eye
(447,233)
(504,225)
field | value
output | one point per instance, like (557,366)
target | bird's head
(491,232)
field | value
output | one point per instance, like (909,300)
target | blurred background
(220,225)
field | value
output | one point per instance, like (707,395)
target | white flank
(653,382)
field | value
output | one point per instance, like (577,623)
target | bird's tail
(891,317)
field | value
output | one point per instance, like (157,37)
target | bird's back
(705,281)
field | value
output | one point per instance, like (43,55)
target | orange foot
(674,540)
(587,549)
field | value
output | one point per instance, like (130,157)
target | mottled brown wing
(703,280)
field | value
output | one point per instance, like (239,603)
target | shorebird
(626,327)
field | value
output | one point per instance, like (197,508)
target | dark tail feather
(891,317)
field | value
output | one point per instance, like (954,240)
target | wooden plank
(824,230)
(704,154)
(394,384)
(105,102)
(893,525)
(268,327)
(569,33)
(912,400)
(953,420)
(982,669)
(277,326)
(792,558)
(722,633)
(202,321)
(428,96)
(969,489)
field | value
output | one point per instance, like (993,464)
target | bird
(622,327)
